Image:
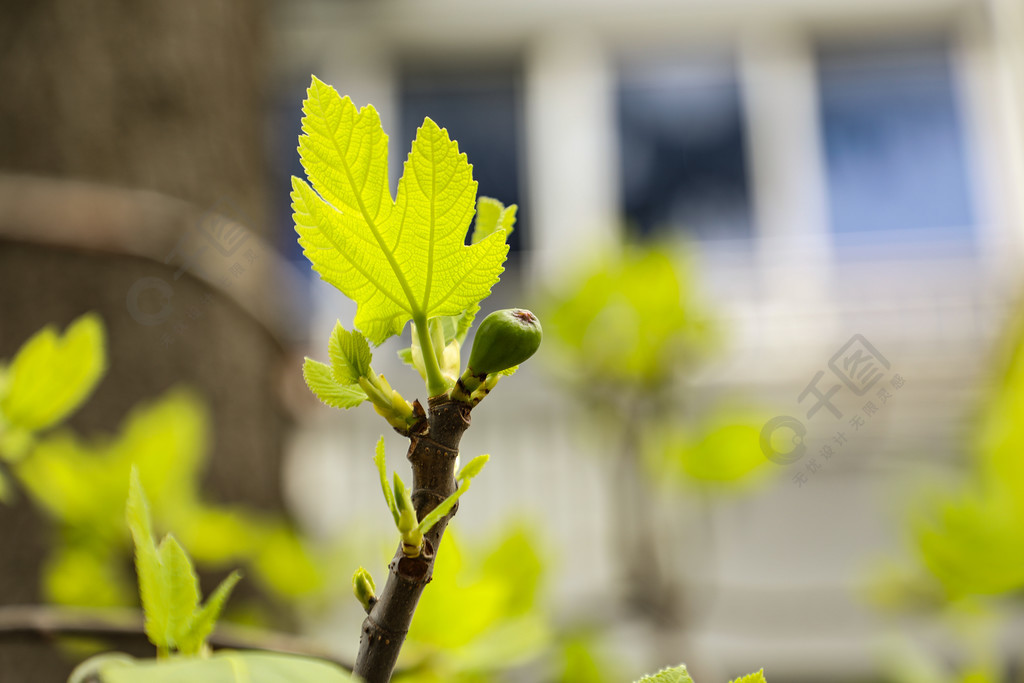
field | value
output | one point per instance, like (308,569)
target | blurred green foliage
(48,378)
(625,334)
(52,374)
(486,619)
(225,666)
(719,451)
(483,612)
(972,538)
(967,541)
(179,626)
(81,483)
(629,320)
(583,662)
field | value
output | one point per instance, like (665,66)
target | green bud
(403,500)
(364,589)
(412,542)
(504,339)
(407,520)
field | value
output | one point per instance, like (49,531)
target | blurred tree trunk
(163,96)
(144,94)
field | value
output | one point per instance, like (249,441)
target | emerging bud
(504,339)
(364,589)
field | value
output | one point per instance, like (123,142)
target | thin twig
(47,621)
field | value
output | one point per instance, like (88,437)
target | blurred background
(728,212)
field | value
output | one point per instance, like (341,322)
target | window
(683,157)
(285,122)
(893,143)
(481,110)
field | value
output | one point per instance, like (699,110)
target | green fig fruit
(504,339)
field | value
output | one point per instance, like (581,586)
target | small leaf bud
(364,589)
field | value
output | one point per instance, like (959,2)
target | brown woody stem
(432,454)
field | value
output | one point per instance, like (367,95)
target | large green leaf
(676,674)
(752,678)
(398,260)
(223,667)
(52,374)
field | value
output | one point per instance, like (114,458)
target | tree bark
(432,453)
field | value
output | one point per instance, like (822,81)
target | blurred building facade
(838,167)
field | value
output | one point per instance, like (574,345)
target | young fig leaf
(389,496)
(473,467)
(321,381)
(350,355)
(152,587)
(205,618)
(181,587)
(402,259)
(492,215)
(465,476)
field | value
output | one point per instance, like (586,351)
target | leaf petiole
(436,384)
(374,391)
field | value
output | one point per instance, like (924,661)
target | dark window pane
(481,110)
(893,143)
(683,154)
(285,122)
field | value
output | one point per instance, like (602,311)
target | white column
(1007,67)
(571,151)
(777,72)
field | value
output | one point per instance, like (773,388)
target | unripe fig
(504,339)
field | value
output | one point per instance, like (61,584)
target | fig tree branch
(432,453)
